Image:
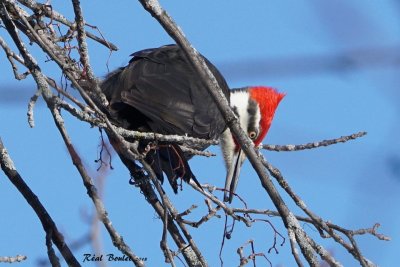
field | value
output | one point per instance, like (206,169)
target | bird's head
(255,108)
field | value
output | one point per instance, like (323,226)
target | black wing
(162,85)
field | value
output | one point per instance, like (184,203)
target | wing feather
(161,84)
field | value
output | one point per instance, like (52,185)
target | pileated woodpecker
(159,91)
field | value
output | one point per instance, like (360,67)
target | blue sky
(259,43)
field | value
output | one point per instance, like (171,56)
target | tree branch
(84,53)
(49,226)
(17,258)
(342,139)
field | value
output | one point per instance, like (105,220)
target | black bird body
(159,91)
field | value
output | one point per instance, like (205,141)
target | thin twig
(223,240)
(342,139)
(196,152)
(95,230)
(11,56)
(211,213)
(245,260)
(163,243)
(372,230)
(220,203)
(31,105)
(13,259)
(54,85)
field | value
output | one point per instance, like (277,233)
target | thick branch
(7,165)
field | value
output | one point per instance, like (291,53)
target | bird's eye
(252,135)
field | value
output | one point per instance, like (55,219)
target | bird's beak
(232,176)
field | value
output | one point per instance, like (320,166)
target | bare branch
(31,105)
(312,145)
(212,212)
(54,260)
(220,203)
(7,165)
(17,258)
(163,243)
(95,236)
(11,56)
(197,152)
(54,85)
(325,255)
(245,260)
(293,247)
(83,49)
(372,230)
(84,53)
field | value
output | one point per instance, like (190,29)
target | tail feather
(170,159)
(153,158)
